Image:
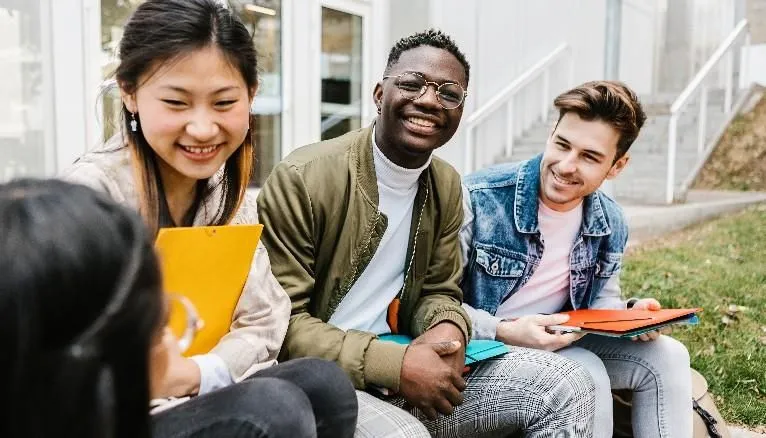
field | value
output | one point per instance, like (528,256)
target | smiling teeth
(421,122)
(199,151)
(563,181)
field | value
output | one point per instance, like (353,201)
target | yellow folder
(209,266)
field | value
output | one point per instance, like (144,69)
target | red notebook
(624,323)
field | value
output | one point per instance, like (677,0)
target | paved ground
(741,433)
(648,222)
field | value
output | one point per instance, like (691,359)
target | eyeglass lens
(413,86)
(184,320)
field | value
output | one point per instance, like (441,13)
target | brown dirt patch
(739,160)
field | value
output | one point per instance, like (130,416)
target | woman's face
(193,111)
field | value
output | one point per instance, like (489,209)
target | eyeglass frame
(425,89)
(193,321)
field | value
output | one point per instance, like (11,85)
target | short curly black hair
(430,37)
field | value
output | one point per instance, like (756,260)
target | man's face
(579,156)
(413,128)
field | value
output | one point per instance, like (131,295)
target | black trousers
(300,398)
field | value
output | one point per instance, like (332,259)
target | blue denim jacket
(502,243)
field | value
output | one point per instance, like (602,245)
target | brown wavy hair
(609,101)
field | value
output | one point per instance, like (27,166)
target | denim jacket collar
(528,195)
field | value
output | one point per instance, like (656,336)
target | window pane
(341,72)
(23,95)
(114,14)
(264,20)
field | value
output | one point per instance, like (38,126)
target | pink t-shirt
(548,289)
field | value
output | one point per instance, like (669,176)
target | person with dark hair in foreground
(81,314)
(363,232)
(188,75)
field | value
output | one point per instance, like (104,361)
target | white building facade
(321,58)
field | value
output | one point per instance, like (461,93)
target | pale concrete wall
(663,42)
(638,48)
(755,12)
(407,17)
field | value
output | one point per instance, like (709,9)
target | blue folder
(476,351)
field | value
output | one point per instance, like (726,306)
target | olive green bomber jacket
(321,229)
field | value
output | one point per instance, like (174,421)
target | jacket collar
(527,197)
(363,165)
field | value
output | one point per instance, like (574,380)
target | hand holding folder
(624,323)
(208,266)
(475,351)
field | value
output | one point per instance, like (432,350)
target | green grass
(713,266)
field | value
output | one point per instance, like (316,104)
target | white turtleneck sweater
(365,306)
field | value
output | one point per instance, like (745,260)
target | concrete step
(658,131)
(667,99)
(639,153)
(648,222)
(644,179)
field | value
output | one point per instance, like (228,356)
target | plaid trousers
(526,392)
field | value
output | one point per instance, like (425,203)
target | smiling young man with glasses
(363,231)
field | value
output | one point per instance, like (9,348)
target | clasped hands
(432,371)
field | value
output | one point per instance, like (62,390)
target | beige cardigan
(263,312)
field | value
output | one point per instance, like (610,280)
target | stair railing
(506,99)
(698,87)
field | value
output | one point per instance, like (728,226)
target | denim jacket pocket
(609,265)
(498,265)
(494,276)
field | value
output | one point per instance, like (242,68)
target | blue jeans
(656,371)
(302,398)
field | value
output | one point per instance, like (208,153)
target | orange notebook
(624,323)
(208,266)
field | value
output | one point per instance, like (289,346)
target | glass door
(114,15)
(25,90)
(264,20)
(342,71)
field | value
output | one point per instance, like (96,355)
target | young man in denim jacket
(539,238)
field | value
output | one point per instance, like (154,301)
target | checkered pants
(526,392)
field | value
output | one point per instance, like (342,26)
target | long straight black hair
(80,305)
(161,31)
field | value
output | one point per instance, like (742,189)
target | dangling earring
(133,122)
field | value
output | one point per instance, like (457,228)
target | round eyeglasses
(413,85)
(185,321)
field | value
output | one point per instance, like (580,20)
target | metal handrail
(506,98)
(697,84)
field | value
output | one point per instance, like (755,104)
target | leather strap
(708,419)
